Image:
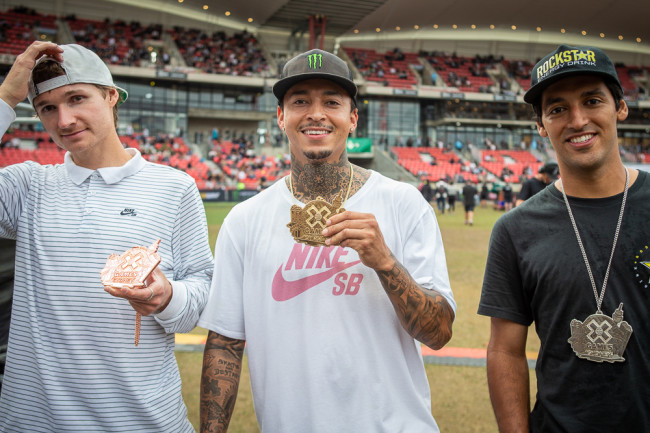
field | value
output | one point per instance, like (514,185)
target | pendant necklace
(600,338)
(307,223)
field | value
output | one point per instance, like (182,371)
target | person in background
(452,195)
(507,196)
(441,197)
(547,173)
(484,195)
(469,201)
(426,190)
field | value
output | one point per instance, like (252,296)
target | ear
(280,118)
(541,130)
(354,119)
(113,97)
(622,112)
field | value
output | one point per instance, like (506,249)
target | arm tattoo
(425,314)
(222,361)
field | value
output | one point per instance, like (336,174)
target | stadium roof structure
(620,25)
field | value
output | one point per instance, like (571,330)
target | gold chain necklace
(307,223)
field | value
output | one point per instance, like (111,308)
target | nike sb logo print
(326,264)
(129,211)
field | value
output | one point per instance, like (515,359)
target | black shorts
(469,207)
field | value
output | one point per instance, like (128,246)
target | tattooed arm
(425,314)
(222,361)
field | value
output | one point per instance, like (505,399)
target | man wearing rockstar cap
(575,260)
(332,276)
(71,362)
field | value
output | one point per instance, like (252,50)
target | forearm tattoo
(425,314)
(222,360)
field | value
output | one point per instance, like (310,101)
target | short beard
(319,155)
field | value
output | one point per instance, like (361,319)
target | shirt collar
(110,175)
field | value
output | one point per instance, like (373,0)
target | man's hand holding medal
(134,275)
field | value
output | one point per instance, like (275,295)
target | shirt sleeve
(14,187)
(525,192)
(7,116)
(502,295)
(193,263)
(224,313)
(423,250)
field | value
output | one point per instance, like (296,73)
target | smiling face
(579,116)
(317,117)
(79,118)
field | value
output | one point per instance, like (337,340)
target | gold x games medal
(307,223)
(130,270)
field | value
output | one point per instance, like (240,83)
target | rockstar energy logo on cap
(315,61)
(563,59)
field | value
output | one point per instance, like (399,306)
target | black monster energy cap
(315,64)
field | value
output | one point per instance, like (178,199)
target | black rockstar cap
(565,61)
(315,64)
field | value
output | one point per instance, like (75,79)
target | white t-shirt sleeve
(423,250)
(224,312)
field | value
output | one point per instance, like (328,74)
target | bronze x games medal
(130,270)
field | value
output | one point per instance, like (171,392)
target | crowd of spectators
(218,53)
(392,68)
(118,42)
(468,74)
(240,54)
(238,166)
(18,26)
(519,70)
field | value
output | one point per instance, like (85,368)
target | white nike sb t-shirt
(326,350)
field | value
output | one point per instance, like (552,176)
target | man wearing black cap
(547,173)
(575,260)
(332,276)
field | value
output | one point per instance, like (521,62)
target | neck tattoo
(600,338)
(307,223)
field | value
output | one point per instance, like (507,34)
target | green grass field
(460,401)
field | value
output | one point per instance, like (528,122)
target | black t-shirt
(507,193)
(427,192)
(530,187)
(535,272)
(469,193)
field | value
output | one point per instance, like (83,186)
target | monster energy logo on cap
(315,61)
(315,64)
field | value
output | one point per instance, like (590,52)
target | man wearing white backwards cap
(72,363)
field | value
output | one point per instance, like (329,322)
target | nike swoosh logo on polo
(283,290)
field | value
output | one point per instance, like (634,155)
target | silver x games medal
(601,338)
(130,270)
